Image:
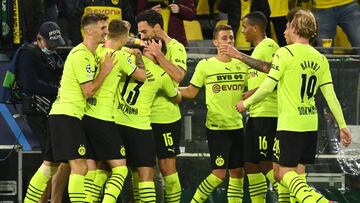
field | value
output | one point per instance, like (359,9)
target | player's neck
(90,44)
(300,40)
(223,58)
(164,36)
(113,44)
(257,40)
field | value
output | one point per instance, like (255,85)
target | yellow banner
(16,25)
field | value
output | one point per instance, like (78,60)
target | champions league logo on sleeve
(88,68)
(89,71)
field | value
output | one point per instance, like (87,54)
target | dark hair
(220,28)
(151,17)
(118,28)
(257,18)
(92,18)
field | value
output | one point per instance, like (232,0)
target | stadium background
(336,172)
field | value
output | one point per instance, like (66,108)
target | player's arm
(327,90)
(140,72)
(89,88)
(265,88)
(178,98)
(189,92)
(257,64)
(171,91)
(176,72)
(248,93)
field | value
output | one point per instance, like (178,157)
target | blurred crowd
(186,20)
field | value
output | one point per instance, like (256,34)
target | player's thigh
(167,139)
(68,138)
(105,140)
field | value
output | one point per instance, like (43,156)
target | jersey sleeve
(246,75)
(326,76)
(265,88)
(198,78)
(168,86)
(279,64)
(83,68)
(178,56)
(258,53)
(125,62)
(334,105)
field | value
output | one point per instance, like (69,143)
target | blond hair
(304,23)
(118,28)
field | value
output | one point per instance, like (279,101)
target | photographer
(38,72)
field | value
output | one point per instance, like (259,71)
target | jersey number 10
(307,86)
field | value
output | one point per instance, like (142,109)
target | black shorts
(40,128)
(140,146)
(68,140)
(225,147)
(106,142)
(259,139)
(296,147)
(167,139)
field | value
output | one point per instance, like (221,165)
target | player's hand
(174,8)
(248,93)
(108,63)
(240,106)
(153,48)
(157,8)
(229,50)
(345,137)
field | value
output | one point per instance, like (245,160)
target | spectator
(345,13)
(173,12)
(279,11)
(264,7)
(51,11)
(32,15)
(120,10)
(233,10)
(39,70)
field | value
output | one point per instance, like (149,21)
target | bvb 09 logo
(216,88)
(122,151)
(219,161)
(82,150)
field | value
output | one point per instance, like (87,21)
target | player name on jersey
(127,109)
(307,110)
(310,64)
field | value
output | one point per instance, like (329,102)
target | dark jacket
(38,73)
(176,28)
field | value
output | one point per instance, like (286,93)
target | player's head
(300,23)
(223,34)
(119,30)
(254,25)
(94,26)
(163,49)
(150,24)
